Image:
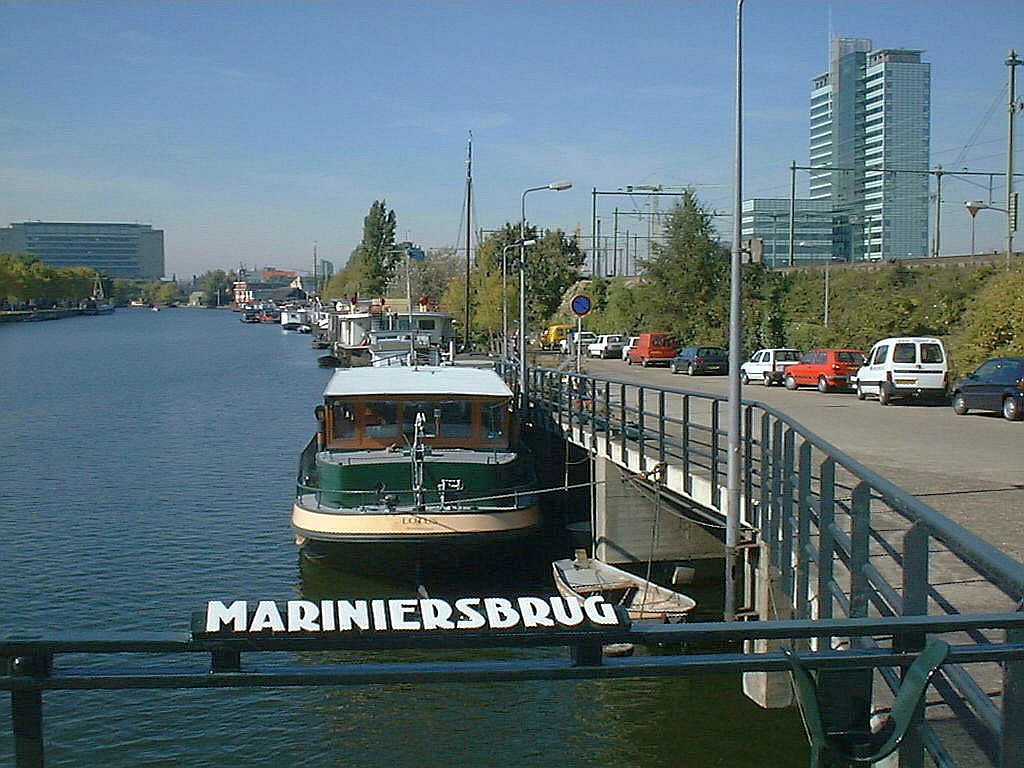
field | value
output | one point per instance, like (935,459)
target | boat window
(456,418)
(343,420)
(380,419)
(429,409)
(494,421)
(426,324)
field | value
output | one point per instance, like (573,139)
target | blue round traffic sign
(581,304)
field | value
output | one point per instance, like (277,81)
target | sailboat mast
(316,283)
(469,226)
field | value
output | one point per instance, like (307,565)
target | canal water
(147,465)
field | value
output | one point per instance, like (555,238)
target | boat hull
(360,526)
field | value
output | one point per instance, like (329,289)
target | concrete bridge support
(631,525)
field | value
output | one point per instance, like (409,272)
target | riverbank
(35,315)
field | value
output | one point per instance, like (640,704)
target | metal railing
(833,537)
(30,666)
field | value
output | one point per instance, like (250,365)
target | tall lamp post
(557,186)
(504,294)
(732,486)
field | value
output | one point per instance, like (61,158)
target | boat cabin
(377,408)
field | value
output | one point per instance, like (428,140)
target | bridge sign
(581,304)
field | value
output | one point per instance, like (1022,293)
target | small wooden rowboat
(643,600)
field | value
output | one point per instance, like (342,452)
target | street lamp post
(504,295)
(558,186)
(973,206)
(732,507)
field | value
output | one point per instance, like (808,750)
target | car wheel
(643,362)
(744,378)
(1013,409)
(884,395)
(959,404)
(689,370)
(790,382)
(823,386)
(767,381)
(672,365)
(861,394)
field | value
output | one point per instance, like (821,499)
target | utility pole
(792,213)
(938,211)
(469,228)
(1012,62)
(597,251)
(615,244)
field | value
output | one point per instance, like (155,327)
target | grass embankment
(976,310)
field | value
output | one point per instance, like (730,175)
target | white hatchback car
(630,344)
(768,366)
(905,367)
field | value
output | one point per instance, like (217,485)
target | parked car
(607,345)
(769,365)
(997,385)
(570,342)
(553,335)
(827,369)
(630,344)
(695,360)
(904,367)
(653,349)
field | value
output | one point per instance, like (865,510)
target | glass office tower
(870,126)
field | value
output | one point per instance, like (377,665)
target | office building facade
(766,220)
(870,118)
(126,251)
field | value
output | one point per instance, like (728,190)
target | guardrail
(30,666)
(834,537)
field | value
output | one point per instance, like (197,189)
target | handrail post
(803,536)
(27,725)
(623,412)
(915,603)
(641,413)
(1011,746)
(661,431)
(785,563)
(826,540)
(685,418)
(715,485)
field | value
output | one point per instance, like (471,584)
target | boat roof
(421,380)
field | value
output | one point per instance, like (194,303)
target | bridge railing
(828,537)
(31,666)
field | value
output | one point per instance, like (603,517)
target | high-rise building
(870,125)
(128,251)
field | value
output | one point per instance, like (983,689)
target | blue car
(696,360)
(997,385)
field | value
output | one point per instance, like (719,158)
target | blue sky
(247,131)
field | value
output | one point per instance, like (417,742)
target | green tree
(686,278)
(372,264)
(216,286)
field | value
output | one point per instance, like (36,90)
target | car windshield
(710,351)
(787,355)
(850,357)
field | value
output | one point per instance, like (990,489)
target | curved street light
(973,206)
(557,186)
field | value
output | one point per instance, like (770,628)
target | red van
(653,349)
(827,369)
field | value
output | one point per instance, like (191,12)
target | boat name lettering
(409,614)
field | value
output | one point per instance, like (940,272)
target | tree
(686,277)
(216,286)
(372,264)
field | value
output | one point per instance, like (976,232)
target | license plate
(906,381)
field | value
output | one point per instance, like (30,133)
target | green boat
(423,458)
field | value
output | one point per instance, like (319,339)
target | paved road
(970,468)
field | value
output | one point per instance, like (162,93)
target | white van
(905,367)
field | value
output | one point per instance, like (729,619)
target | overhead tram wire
(981,126)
